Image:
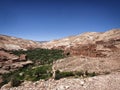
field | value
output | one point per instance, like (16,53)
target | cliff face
(101,54)
(12,43)
(89,44)
(10,62)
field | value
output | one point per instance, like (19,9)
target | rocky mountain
(91,52)
(100,54)
(83,39)
(13,43)
(9,42)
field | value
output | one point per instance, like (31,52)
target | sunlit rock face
(88,44)
(93,44)
(12,43)
(10,62)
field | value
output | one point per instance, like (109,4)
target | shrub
(15,82)
(59,74)
(79,73)
(90,74)
(41,72)
(28,73)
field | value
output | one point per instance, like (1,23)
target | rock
(6,67)
(82,82)
(16,66)
(1,80)
(27,63)
(10,62)
(102,82)
(6,86)
(2,71)
(23,57)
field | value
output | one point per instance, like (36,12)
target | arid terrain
(102,82)
(13,43)
(90,52)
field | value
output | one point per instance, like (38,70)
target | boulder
(23,57)
(6,67)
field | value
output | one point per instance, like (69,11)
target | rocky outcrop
(91,44)
(10,62)
(99,49)
(91,64)
(23,57)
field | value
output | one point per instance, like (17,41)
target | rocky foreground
(102,82)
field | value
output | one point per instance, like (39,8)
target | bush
(79,73)
(37,73)
(59,74)
(15,82)
(28,73)
(90,74)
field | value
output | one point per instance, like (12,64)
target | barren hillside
(85,38)
(91,52)
(13,43)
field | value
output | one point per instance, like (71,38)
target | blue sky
(52,19)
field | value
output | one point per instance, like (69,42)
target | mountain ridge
(9,42)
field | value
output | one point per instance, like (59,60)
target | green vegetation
(37,73)
(28,73)
(42,56)
(90,74)
(15,82)
(41,69)
(59,74)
